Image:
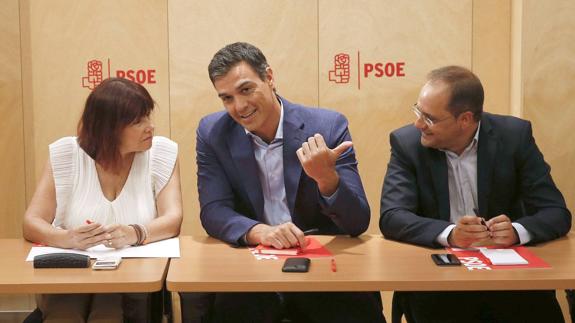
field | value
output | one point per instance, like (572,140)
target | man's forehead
(434,92)
(225,87)
(241,69)
(435,87)
(237,74)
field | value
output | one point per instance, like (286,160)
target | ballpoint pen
(310,231)
(476,211)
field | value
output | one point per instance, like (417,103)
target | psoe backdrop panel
(548,85)
(12,176)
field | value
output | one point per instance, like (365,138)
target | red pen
(333,265)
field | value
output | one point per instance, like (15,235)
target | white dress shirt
(462,180)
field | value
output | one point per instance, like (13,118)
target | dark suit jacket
(231,198)
(512,179)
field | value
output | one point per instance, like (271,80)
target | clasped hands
(470,231)
(93,234)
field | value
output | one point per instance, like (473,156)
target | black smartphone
(296,265)
(445,259)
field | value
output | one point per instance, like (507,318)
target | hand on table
(120,235)
(502,231)
(286,235)
(86,236)
(468,231)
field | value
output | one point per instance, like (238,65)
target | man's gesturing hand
(318,162)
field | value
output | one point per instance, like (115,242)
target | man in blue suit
(453,166)
(268,169)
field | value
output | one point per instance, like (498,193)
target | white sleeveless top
(79,196)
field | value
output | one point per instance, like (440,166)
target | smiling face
(249,100)
(446,132)
(137,136)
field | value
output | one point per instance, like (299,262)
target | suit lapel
(438,170)
(486,152)
(294,136)
(243,157)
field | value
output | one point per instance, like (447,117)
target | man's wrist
(253,236)
(244,240)
(517,239)
(329,186)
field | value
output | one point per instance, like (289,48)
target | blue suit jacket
(512,179)
(230,194)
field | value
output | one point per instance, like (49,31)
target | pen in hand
(310,231)
(476,211)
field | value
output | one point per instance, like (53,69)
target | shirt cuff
(329,200)
(244,240)
(442,237)
(522,233)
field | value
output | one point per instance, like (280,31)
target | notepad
(503,256)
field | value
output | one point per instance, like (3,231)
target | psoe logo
(342,73)
(95,74)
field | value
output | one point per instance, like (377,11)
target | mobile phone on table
(107,263)
(445,259)
(296,265)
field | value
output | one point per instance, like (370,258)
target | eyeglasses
(430,122)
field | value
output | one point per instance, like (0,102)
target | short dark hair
(112,106)
(466,89)
(233,54)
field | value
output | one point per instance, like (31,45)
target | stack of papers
(169,248)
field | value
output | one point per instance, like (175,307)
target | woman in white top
(115,184)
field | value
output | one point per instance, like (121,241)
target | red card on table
(473,259)
(314,249)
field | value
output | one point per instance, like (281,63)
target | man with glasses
(451,170)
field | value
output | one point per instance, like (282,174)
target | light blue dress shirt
(269,159)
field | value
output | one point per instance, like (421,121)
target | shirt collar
(476,137)
(472,144)
(280,132)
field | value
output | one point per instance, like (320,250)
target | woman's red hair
(112,106)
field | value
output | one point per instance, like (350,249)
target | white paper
(503,256)
(169,248)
